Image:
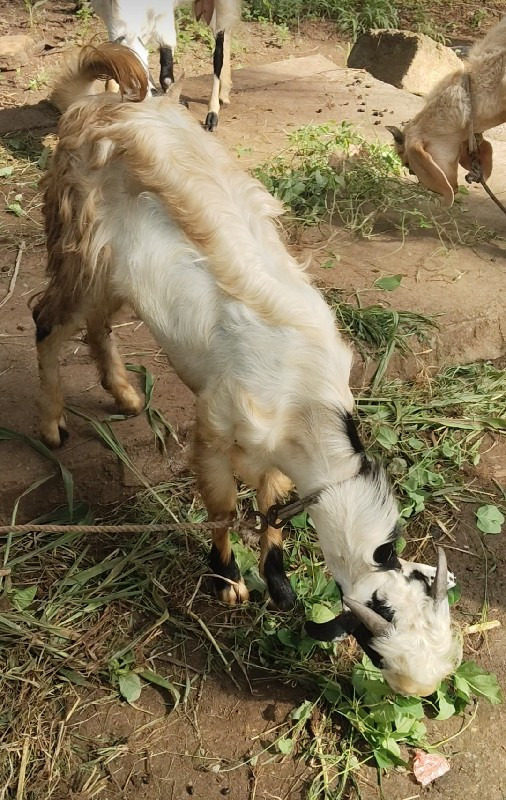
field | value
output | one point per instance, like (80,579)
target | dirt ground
(226,719)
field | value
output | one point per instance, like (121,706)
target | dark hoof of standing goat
(211,121)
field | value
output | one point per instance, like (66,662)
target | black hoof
(278,585)
(230,570)
(211,121)
(281,593)
(64,434)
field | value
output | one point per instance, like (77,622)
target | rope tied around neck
(475,175)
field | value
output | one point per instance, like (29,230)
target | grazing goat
(141,206)
(434,142)
(135,23)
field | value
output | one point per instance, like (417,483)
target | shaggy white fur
(143,207)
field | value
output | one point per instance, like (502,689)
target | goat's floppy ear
(485,153)
(333,630)
(396,133)
(428,172)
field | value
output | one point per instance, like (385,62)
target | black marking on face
(364,636)
(218,53)
(336,628)
(280,590)
(417,575)
(385,555)
(166,67)
(230,570)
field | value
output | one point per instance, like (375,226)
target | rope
(237,525)
(492,196)
(256,522)
(476,173)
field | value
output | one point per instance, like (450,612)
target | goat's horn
(439,588)
(377,624)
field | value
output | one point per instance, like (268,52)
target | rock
(14,51)
(406,60)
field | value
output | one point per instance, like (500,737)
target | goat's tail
(108,61)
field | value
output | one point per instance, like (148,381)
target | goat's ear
(485,152)
(396,133)
(175,89)
(428,172)
(333,630)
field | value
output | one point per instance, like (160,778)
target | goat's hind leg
(217,94)
(51,334)
(113,375)
(219,491)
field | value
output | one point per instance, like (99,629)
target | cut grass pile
(83,621)
(330,172)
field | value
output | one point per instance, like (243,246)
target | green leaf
(244,557)
(383,758)
(489,519)
(320,613)
(400,545)
(302,712)
(444,703)
(15,208)
(254,580)
(7,435)
(23,598)
(6,172)
(470,678)
(130,686)
(300,521)
(387,437)
(454,594)
(392,747)
(288,638)
(164,683)
(285,746)
(388,283)
(410,705)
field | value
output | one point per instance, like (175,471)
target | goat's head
(435,159)
(398,610)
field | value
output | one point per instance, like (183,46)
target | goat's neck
(319,452)
(356,511)
(488,94)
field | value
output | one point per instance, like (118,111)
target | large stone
(407,60)
(14,51)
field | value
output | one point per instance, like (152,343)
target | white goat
(135,23)
(141,206)
(434,142)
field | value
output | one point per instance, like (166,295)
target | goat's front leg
(166,67)
(221,67)
(218,488)
(273,487)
